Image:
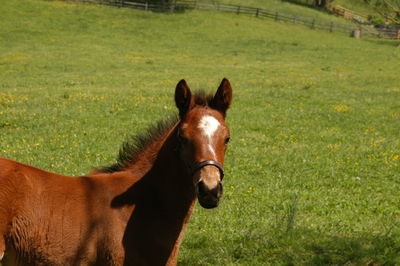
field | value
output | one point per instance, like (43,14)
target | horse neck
(164,197)
(165,174)
(175,175)
(176,181)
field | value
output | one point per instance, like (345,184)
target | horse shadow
(297,247)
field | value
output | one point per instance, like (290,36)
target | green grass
(313,167)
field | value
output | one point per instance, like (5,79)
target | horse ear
(223,97)
(183,97)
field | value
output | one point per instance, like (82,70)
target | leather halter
(200,165)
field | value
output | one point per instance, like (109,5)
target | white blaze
(211,149)
(209,126)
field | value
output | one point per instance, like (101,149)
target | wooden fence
(181,5)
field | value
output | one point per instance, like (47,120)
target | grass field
(313,170)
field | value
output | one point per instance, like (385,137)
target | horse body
(60,220)
(72,225)
(134,215)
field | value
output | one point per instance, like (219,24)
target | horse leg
(3,224)
(3,234)
(2,247)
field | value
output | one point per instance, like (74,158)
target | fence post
(331,27)
(356,33)
(238,10)
(121,3)
(294,19)
(398,34)
(313,24)
(276,15)
(257,10)
(146,6)
(172,7)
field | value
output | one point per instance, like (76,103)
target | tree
(389,9)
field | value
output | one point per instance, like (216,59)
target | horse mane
(136,144)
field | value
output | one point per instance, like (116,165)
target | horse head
(203,137)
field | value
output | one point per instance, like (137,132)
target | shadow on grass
(300,3)
(362,250)
(392,43)
(156,6)
(296,247)
(307,5)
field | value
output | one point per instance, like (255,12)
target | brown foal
(131,213)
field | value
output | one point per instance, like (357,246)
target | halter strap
(210,162)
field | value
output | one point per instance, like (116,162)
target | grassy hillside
(313,168)
(356,5)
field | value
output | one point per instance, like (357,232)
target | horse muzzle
(209,187)
(209,198)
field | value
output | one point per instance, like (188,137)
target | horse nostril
(220,190)
(202,189)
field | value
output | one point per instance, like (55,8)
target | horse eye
(227,140)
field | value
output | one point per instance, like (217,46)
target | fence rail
(313,23)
